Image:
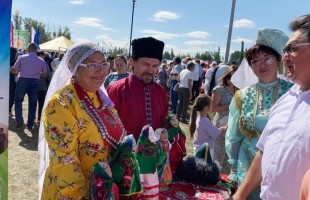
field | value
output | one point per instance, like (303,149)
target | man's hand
(14,71)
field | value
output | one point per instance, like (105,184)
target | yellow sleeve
(64,178)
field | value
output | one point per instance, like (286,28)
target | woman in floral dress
(80,125)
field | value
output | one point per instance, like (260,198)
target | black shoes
(19,125)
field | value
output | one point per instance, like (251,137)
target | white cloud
(245,40)
(88,21)
(109,29)
(243,23)
(77,2)
(198,43)
(159,35)
(198,34)
(163,16)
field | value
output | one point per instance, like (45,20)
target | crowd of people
(30,73)
(94,106)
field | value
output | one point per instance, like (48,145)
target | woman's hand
(223,129)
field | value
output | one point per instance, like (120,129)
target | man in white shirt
(185,79)
(284,146)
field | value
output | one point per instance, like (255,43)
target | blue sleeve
(107,80)
(233,137)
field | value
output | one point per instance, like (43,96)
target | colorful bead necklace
(97,115)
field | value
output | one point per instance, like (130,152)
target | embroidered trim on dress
(147,94)
(249,129)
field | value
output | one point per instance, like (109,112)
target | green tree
(166,55)
(217,55)
(172,55)
(46,34)
(29,23)
(66,32)
(242,53)
(54,35)
(17,20)
(207,56)
(197,56)
(235,56)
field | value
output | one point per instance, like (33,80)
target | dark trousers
(195,89)
(183,95)
(31,88)
(173,96)
(12,91)
(41,99)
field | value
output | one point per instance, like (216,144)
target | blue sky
(186,26)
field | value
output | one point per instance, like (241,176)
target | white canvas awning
(58,44)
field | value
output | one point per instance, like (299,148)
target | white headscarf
(244,76)
(62,77)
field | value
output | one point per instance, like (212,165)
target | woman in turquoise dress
(249,109)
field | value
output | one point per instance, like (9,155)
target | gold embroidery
(249,134)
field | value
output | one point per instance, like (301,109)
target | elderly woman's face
(264,67)
(91,80)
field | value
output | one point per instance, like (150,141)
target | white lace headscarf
(272,38)
(62,77)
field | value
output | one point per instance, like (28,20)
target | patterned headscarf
(272,38)
(77,54)
(62,77)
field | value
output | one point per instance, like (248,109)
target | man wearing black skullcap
(138,99)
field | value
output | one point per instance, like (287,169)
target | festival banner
(21,39)
(5,23)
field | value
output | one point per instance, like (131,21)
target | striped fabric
(150,185)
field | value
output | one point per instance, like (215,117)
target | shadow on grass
(29,138)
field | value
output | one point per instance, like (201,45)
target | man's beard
(147,78)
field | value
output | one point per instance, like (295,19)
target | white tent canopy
(58,44)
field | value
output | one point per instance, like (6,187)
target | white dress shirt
(185,75)
(285,143)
